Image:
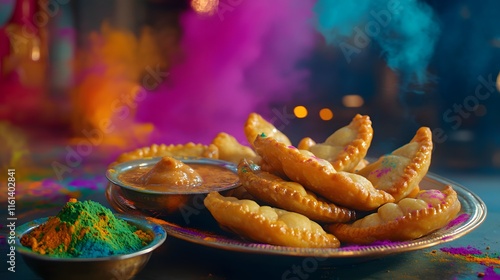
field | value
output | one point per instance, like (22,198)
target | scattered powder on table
(463,251)
(489,274)
(85,230)
(471,254)
(484,260)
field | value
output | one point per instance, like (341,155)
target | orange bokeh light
(326,114)
(300,111)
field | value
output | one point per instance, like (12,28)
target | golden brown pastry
(187,150)
(241,193)
(290,196)
(256,125)
(401,171)
(410,218)
(414,192)
(362,164)
(306,143)
(266,224)
(318,175)
(231,150)
(347,146)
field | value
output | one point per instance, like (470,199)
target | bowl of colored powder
(85,240)
(172,187)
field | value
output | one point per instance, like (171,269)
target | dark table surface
(40,195)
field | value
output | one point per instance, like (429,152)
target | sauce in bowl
(170,175)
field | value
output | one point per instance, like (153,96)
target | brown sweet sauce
(213,178)
(170,171)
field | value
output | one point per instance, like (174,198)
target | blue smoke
(405,30)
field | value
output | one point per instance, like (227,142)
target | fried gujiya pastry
(187,150)
(266,224)
(290,196)
(318,175)
(410,218)
(347,146)
(306,143)
(400,172)
(256,125)
(231,150)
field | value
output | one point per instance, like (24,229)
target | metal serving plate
(471,215)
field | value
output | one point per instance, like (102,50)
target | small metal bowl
(175,206)
(124,266)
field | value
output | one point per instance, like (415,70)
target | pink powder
(376,243)
(432,196)
(381,172)
(353,248)
(448,237)
(490,274)
(463,251)
(235,62)
(458,220)
(386,243)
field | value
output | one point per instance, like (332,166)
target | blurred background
(82,81)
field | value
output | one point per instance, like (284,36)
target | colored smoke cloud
(243,58)
(405,30)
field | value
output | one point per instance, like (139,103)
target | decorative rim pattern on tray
(472,214)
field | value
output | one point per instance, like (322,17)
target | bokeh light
(300,111)
(353,101)
(326,114)
(205,6)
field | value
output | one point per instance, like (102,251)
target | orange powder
(109,85)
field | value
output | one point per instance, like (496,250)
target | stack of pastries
(325,194)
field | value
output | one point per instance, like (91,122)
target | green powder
(86,230)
